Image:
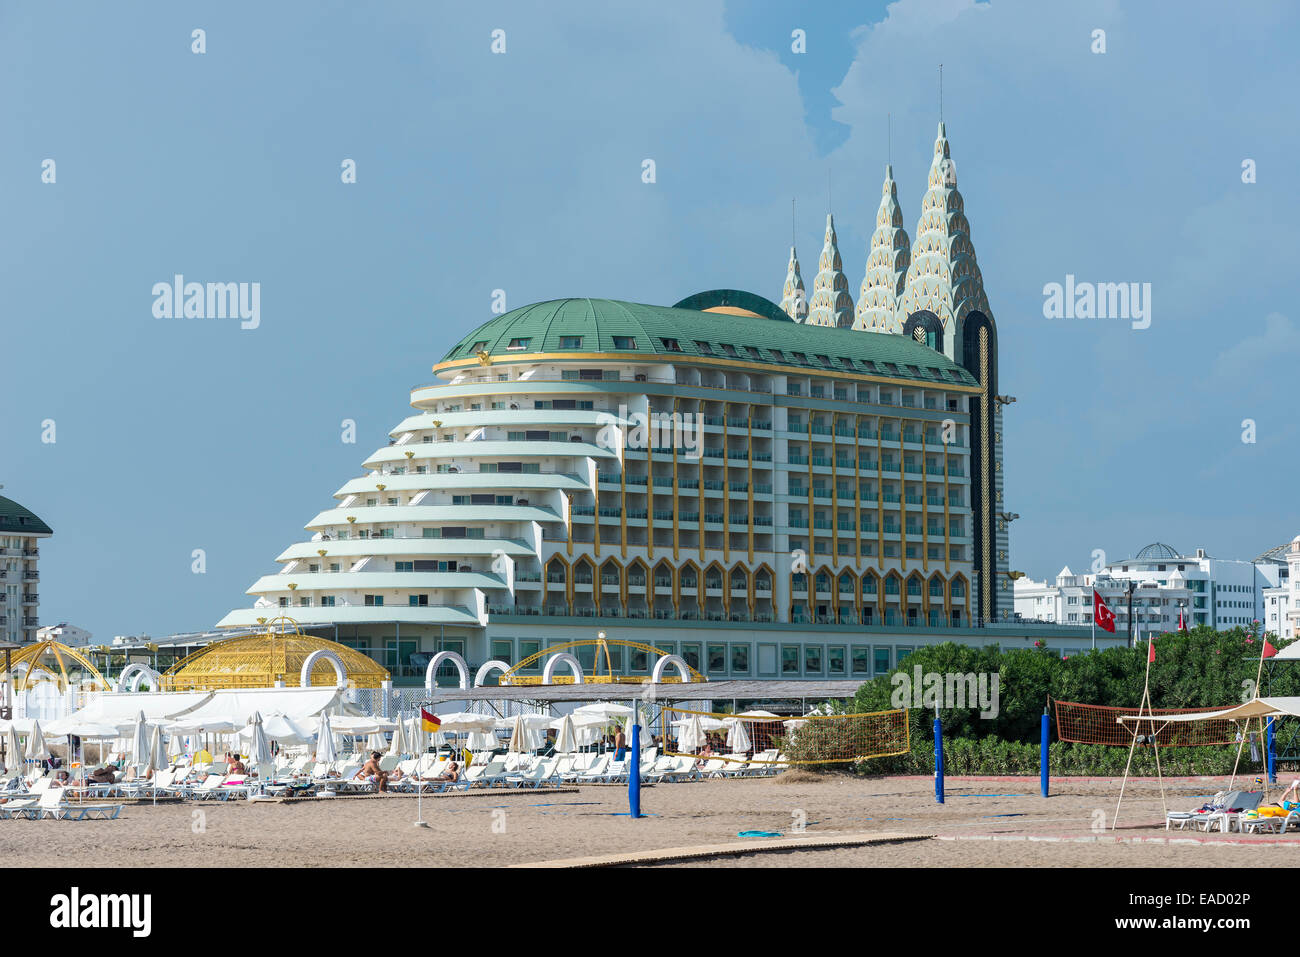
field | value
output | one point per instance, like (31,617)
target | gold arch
(512,677)
(32,655)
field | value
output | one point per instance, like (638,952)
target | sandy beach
(982,823)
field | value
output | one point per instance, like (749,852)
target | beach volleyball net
(1099,724)
(782,740)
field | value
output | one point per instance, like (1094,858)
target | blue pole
(1272,751)
(1046,737)
(634,775)
(938,759)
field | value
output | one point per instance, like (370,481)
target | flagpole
(419,783)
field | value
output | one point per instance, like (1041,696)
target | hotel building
(20,551)
(768,491)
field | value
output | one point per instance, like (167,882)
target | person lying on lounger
(100,776)
(451,774)
(372,774)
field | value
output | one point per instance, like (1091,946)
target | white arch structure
(132,675)
(662,665)
(495,664)
(461,667)
(558,659)
(323,654)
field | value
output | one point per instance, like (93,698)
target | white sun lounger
(52,805)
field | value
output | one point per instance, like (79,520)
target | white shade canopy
(707,723)
(462,721)
(534,721)
(71,726)
(21,725)
(357,724)
(36,747)
(580,721)
(377,742)
(209,725)
(278,727)
(605,709)
(759,714)
(482,741)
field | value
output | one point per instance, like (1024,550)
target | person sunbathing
(102,775)
(451,774)
(372,773)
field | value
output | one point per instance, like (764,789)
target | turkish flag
(1151,650)
(1103,616)
(1269,650)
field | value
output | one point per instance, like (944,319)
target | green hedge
(1199,669)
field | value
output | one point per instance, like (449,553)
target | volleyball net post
(1045,737)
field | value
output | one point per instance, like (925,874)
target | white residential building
(66,634)
(1282,602)
(1221,593)
(20,535)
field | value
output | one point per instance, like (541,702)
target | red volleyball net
(1100,724)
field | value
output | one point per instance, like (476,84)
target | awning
(1256,708)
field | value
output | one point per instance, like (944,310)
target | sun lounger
(595,772)
(543,773)
(53,805)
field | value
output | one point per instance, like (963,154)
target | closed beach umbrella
(259,751)
(519,736)
(157,753)
(36,747)
(377,742)
(692,737)
(566,739)
(738,738)
(13,753)
(416,737)
(139,748)
(325,751)
(399,744)
(481,741)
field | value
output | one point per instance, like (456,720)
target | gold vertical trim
(749,471)
(835,492)
(726,486)
(925,510)
(857,508)
(676,499)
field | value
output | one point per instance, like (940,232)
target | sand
(499,827)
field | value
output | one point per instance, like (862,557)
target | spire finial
(889,138)
(793,228)
(940,92)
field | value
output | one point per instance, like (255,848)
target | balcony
(30,598)
(31,576)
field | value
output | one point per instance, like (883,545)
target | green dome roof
(16,518)
(1158,551)
(585,326)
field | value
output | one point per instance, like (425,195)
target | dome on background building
(1157,551)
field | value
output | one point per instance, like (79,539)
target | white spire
(831,303)
(794,301)
(887,262)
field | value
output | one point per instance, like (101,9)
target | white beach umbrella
(13,753)
(259,751)
(377,742)
(738,738)
(73,727)
(691,737)
(633,720)
(519,736)
(400,743)
(138,749)
(605,709)
(759,714)
(189,726)
(325,751)
(579,721)
(21,725)
(462,721)
(157,753)
(417,737)
(482,741)
(36,747)
(278,726)
(707,723)
(566,738)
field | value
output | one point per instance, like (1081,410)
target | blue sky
(522,172)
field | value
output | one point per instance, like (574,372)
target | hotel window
(374,601)
(691,654)
(528,648)
(880,660)
(789,659)
(671,345)
(327,601)
(334,566)
(503,649)
(639,661)
(704,347)
(861,660)
(304,602)
(418,601)
(717,659)
(812,659)
(740,659)
(478,346)
(800,357)
(754,353)
(518,344)
(624,342)
(729,350)
(284,602)
(835,661)
(404,566)
(570,342)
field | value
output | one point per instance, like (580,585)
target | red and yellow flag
(429,721)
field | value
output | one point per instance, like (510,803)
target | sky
(521,171)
